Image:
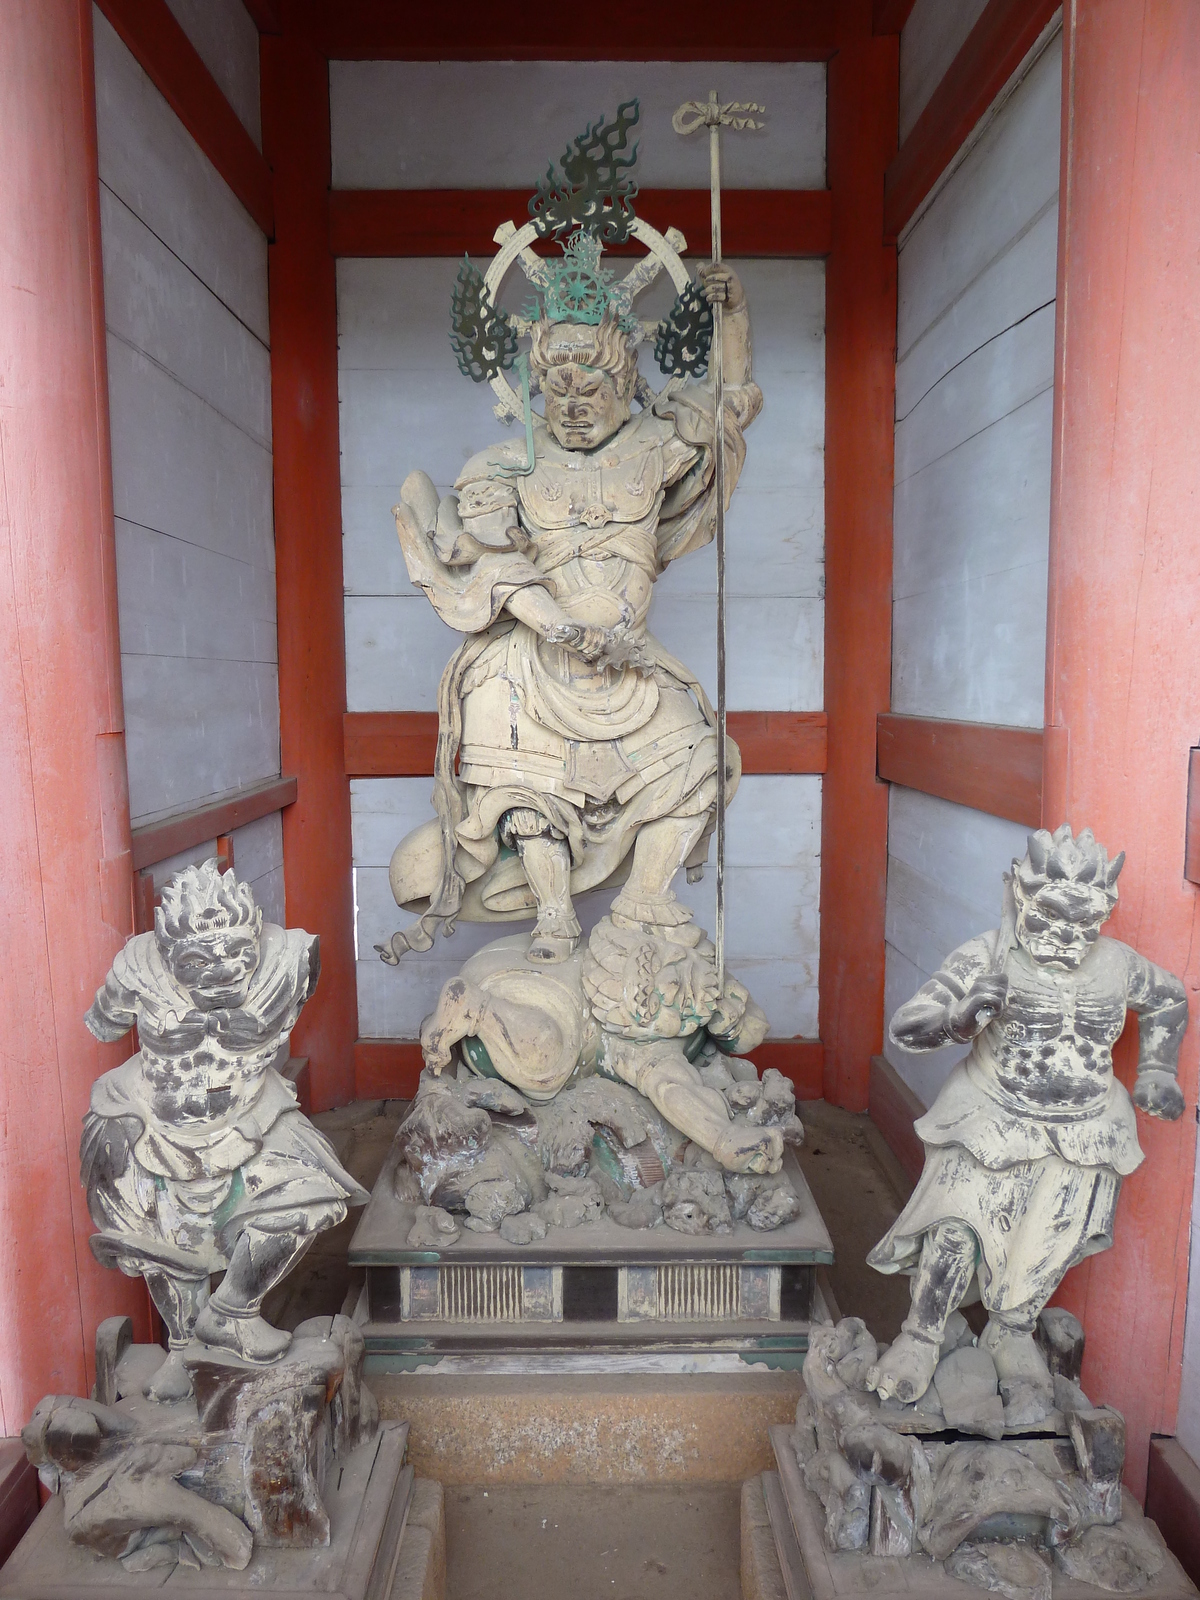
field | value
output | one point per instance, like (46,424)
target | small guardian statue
(195,1156)
(1027,1143)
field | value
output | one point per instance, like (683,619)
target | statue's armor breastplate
(1052,1048)
(195,1074)
(621,481)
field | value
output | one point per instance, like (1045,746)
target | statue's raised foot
(245,1333)
(905,1372)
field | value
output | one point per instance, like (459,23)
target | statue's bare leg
(659,852)
(179,1302)
(667,1078)
(232,1319)
(547,863)
(949,1256)
(1008,1339)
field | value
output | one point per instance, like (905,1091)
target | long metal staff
(711,114)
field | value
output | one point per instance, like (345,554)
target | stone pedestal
(596,1286)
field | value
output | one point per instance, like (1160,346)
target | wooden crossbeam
(183,830)
(889,16)
(987,767)
(401,744)
(540,30)
(448,222)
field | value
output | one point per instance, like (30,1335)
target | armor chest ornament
(620,482)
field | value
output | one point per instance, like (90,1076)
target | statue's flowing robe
(197,1135)
(594,752)
(1030,1136)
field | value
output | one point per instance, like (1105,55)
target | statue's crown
(204,900)
(1078,862)
(586,206)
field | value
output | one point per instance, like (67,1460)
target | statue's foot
(1016,1357)
(246,1335)
(742,1148)
(905,1370)
(555,936)
(172,1381)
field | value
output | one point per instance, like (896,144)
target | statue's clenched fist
(982,1003)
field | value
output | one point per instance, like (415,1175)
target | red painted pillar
(860,381)
(1123,651)
(308,551)
(66,905)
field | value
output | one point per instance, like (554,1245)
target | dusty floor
(545,1542)
(619,1542)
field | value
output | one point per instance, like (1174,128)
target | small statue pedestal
(275,1477)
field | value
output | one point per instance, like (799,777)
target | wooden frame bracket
(183,830)
(1191,857)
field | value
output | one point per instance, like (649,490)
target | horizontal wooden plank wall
(447,222)
(388,1069)
(1173,1501)
(170,836)
(992,769)
(994,50)
(173,65)
(539,30)
(401,744)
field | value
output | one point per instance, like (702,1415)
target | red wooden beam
(171,62)
(860,376)
(401,744)
(265,15)
(893,1107)
(976,764)
(156,841)
(543,30)
(889,16)
(449,222)
(317,858)
(991,53)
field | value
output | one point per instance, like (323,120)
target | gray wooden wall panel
(974,404)
(945,869)
(190,405)
(499,124)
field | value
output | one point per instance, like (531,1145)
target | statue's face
(215,967)
(583,405)
(1057,928)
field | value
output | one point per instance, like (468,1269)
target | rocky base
(475,1154)
(979,1480)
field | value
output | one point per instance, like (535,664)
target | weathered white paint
(189,396)
(974,386)
(932,37)
(773,891)
(148,159)
(1188,1427)
(226,40)
(499,124)
(945,871)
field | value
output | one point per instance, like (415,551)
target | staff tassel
(714,116)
